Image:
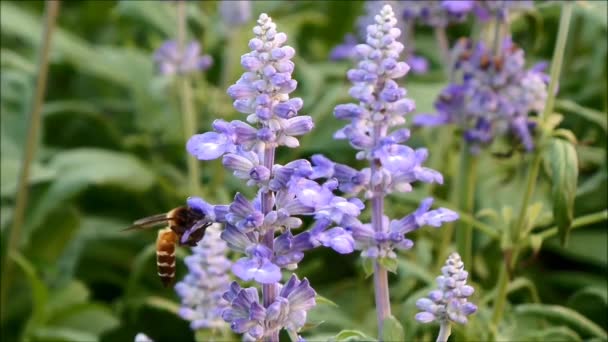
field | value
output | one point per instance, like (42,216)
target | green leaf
(88,318)
(392,330)
(162,304)
(352,335)
(72,294)
(554,334)
(57,334)
(536,242)
(562,314)
(412,269)
(533,212)
(389,263)
(589,114)
(368,266)
(40,294)
(323,300)
(563,165)
(79,168)
(565,134)
(591,291)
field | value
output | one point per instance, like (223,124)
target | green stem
(31,142)
(187,103)
(576,223)
(511,261)
(444,49)
(467,174)
(501,294)
(558,57)
(556,66)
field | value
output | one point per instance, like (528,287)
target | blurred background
(111,150)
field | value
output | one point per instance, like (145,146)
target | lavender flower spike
(372,129)
(449,303)
(202,289)
(260,229)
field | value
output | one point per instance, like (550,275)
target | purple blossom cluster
(346,50)
(441,13)
(373,129)
(247,315)
(202,288)
(437,13)
(450,301)
(263,228)
(171,59)
(494,96)
(235,12)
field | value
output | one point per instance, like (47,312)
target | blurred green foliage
(112,151)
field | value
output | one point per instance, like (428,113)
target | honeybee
(186,226)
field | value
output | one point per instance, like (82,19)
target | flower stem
(556,66)
(445,329)
(501,294)
(269,291)
(187,102)
(511,261)
(31,142)
(578,222)
(467,175)
(444,49)
(383,304)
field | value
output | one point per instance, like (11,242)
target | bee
(186,226)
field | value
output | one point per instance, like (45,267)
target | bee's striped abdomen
(165,255)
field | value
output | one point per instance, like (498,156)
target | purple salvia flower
(288,310)
(347,49)
(449,303)
(171,60)
(373,129)
(285,192)
(202,289)
(235,12)
(488,9)
(437,13)
(493,97)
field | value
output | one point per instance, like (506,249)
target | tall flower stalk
(187,104)
(393,166)
(182,58)
(492,97)
(512,253)
(31,141)
(262,229)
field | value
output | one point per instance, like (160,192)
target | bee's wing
(201,224)
(148,222)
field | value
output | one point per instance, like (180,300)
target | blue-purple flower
(346,50)
(171,59)
(247,315)
(202,289)
(373,129)
(235,12)
(437,13)
(493,97)
(449,303)
(263,229)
